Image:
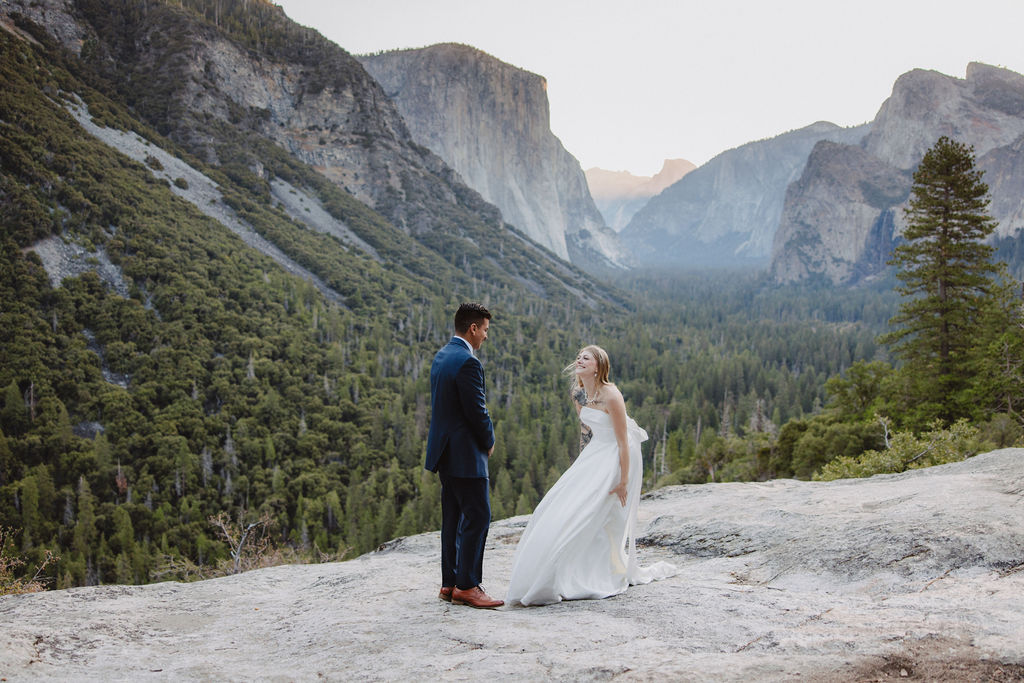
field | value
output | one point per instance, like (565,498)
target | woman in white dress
(579,543)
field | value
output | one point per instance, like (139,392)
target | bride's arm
(617,411)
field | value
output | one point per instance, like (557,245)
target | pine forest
(184,387)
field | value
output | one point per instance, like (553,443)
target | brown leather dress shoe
(475,597)
(446,593)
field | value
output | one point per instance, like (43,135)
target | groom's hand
(490,451)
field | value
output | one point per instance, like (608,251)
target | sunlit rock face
(490,121)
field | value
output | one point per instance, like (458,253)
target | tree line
(139,435)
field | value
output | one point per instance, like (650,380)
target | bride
(579,543)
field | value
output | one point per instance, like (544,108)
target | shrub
(906,451)
(9,564)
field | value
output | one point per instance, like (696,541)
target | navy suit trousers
(465,518)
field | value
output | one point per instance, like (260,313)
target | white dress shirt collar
(468,345)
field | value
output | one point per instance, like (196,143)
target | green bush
(906,451)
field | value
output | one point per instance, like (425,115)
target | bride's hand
(620,491)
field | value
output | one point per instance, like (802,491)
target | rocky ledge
(914,576)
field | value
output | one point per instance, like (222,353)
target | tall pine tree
(947,272)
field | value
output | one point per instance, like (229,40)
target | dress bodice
(592,417)
(601,422)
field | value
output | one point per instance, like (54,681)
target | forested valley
(139,432)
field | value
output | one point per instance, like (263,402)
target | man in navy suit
(460,441)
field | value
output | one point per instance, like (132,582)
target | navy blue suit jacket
(461,432)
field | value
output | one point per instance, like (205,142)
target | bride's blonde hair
(604,366)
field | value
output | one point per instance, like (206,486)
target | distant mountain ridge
(620,194)
(490,121)
(843,215)
(725,212)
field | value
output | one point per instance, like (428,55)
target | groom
(460,441)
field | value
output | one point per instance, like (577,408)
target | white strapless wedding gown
(579,543)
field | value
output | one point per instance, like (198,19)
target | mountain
(223,91)
(225,266)
(620,194)
(727,211)
(914,576)
(844,213)
(490,121)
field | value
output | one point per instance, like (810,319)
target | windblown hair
(468,314)
(604,366)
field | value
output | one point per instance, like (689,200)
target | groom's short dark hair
(468,314)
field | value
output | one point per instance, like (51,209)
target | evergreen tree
(999,387)
(946,271)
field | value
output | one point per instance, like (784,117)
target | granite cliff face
(490,122)
(837,220)
(289,86)
(620,194)
(726,212)
(315,101)
(844,214)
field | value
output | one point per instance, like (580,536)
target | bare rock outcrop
(917,575)
(849,201)
(490,121)
(985,109)
(837,219)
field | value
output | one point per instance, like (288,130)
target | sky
(632,83)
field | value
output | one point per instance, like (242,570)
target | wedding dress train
(579,543)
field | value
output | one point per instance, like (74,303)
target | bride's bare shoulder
(612,392)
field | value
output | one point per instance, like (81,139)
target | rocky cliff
(837,219)
(490,122)
(225,83)
(846,210)
(727,211)
(916,576)
(620,194)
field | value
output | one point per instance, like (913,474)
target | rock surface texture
(725,213)
(490,122)
(918,575)
(850,198)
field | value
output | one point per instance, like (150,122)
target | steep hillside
(226,79)
(490,121)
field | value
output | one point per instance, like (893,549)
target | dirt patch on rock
(935,659)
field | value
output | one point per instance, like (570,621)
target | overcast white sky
(634,82)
